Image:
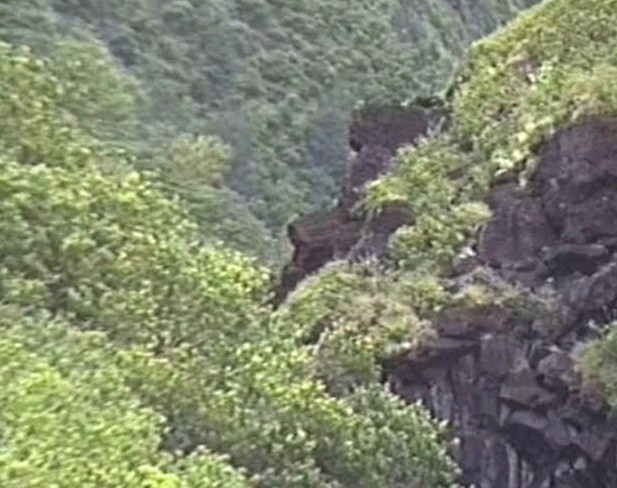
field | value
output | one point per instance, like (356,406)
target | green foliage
(68,418)
(528,311)
(193,168)
(436,239)
(110,253)
(420,178)
(103,101)
(354,319)
(120,333)
(597,366)
(284,429)
(430,179)
(516,88)
(397,434)
(206,470)
(276,81)
(224,218)
(48,105)
(34,128)
(554,65)
(197,159)
(53,109)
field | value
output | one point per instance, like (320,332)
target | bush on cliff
(551,67)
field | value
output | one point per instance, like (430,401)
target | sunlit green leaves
(353,319)
(168,343)
(550,67)
(69,420)
(597,366)
(114,255)
(197,159)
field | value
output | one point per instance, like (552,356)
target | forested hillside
(457,328)
(133,356)
(276,82)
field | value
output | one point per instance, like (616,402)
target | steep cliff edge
(514,297)
(509,388)
(375,136)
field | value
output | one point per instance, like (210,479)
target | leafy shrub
(112,254)
(197,159)
(155,322)
(597,367)
(69,420)
(353,319)
(274,420)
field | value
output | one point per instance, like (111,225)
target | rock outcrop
(375,136)
(519,422)
(509,390)
(512,398)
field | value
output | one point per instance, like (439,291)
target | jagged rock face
(512,398)
(563,228)
(517,420)
(340,233)
(510,393)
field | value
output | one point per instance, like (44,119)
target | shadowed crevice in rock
(375,136)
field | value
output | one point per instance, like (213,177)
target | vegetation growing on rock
(353,321)
(517,86)
(549,69)
(121,318)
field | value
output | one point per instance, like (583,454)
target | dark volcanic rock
(317,240)
(567,259)
(512,399)
(521,388)
(515,431)
(594,296)
(556,370)
(577,179)
(564,222)
(517,235)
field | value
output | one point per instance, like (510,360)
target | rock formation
(375,136)
(508,389)
(512,398)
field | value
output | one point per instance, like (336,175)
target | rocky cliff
(532,133)
(513,398)
(375,136)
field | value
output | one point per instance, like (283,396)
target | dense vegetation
(135,355)
(276,82)
(123,317)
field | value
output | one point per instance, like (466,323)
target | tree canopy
(277,82)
